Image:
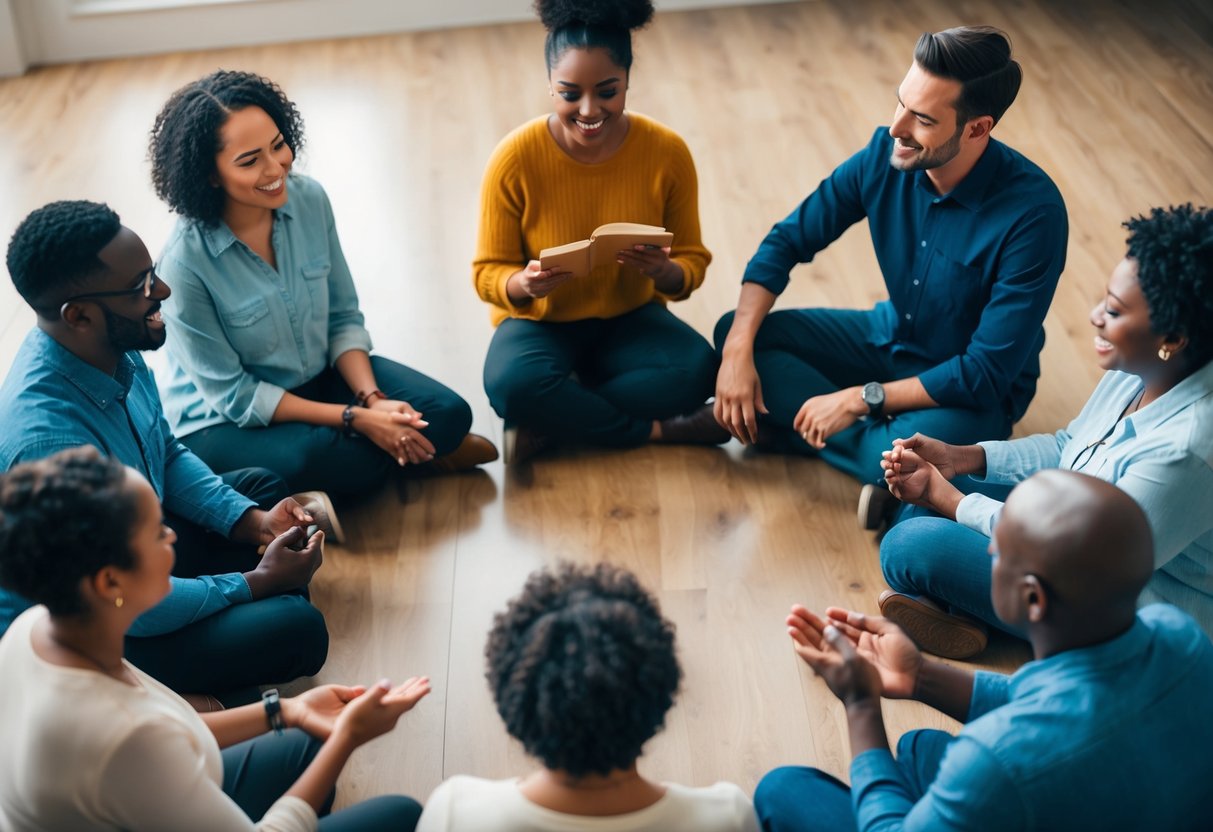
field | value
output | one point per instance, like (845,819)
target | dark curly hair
(979,57)
(592,24)
(185,137)
(55,248)
(582,667)
(1174,253)
(62,519)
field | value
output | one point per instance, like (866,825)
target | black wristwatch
(347,421)
(273,710)
(873,397)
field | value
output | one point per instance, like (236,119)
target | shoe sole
(334,531)
(870,514)
(509,445)
(934,631)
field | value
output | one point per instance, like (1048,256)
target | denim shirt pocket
(953,298)
(251,331)
(315,276)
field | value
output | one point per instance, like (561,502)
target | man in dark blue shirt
(971,240)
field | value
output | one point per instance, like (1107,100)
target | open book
(582,257)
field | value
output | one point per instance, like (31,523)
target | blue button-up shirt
(970,274)
(1161,456)
(52,400)
(241,333)
(1110,737)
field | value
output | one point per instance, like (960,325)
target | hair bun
(613,14)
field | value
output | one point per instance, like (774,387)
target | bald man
(1108,728)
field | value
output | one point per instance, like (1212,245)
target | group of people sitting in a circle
(156,544)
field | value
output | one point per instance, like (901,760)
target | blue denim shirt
(970,274)
(240,333)
(52,400)
(1111,737)
(1161,456)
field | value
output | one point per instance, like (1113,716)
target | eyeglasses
(145,287)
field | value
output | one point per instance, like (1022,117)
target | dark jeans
(228,654)
(324,458)
(798,798)
(802,353)
(259,771)
(631,370)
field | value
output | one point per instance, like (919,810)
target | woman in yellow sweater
(596,358)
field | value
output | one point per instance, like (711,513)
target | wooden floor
(1117,106)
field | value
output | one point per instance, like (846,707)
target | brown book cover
(584,256)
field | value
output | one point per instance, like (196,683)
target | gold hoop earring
(1164,353)
(118,602)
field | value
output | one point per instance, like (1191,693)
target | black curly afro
(55,248)
(582,667)
(62,519)
(185,137)
(592,24)
(1174,253)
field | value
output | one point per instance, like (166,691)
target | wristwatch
(273,710)
(873,397)
(347,422)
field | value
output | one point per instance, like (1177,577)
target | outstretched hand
(379,708)
(832,656)
(894,655)
(316,710)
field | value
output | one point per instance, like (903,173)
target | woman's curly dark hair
(592,24)
(1173,248)
(582,667)
(185,137)
(62,519)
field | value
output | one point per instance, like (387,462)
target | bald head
(1087,544)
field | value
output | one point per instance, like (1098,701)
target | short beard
(126,335)
(937,158)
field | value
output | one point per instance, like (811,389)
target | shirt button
(915,281)
(909,316)
(923,244)
(934,201)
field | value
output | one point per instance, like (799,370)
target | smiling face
(151,546)
(252,162)
(1124,339)
(132,320)
(925,124)
(589,91)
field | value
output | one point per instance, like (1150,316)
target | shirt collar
(971,192)
(99,386)
(1193,388)
(1088,662)
(219,238)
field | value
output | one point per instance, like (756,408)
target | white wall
(12,58)
(58,31)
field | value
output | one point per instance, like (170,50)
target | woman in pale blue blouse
(1147,428)
(269,362)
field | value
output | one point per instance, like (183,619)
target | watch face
(873,394)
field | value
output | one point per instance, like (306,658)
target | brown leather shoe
(473,451)
(877,507)
(519,444)
(318,504)
(699,427)
(932,629)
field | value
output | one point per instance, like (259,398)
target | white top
(471,804)
(80,750)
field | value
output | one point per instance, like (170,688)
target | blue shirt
(1161,456)
(970,274)
(1111,737)
(52,400)
(241,333)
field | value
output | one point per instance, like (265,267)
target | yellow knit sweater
(536,196)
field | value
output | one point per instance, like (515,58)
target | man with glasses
(232,620)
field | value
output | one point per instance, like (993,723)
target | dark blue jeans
(630,370)
(259,771)
(319,457)
(798,798)
(802,353)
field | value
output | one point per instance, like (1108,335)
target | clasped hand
(918,470)
(859,657)
(395,427)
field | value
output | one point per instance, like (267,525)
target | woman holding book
(91,742)
(592,357)
(269,361)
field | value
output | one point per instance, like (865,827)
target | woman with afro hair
(1147,428)
(269,361)
(596,358)
(582,667)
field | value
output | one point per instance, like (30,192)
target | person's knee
(780,796)
(264,487)
(294,637)
(515,386)
(390,811)
(450,419)
(906,552)
(721,331)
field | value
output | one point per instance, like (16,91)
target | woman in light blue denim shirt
(269,361)
(1147,428)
